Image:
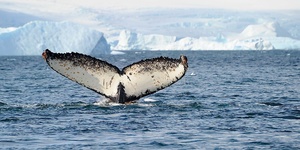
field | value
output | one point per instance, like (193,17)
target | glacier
(36,36)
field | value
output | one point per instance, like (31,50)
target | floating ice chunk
(117,53)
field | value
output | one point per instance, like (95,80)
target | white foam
(103,102)
(192,74)
(117,53)
(149,100)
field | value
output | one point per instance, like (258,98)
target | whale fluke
(122,86)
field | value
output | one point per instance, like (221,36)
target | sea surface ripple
(227,100)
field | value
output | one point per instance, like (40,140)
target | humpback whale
(121,86)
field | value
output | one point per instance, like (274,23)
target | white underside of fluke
(139,79)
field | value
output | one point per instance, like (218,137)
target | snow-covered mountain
(34,37)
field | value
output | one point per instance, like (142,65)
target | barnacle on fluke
(129,84)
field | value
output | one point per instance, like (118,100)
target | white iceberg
(36,36)
(265,36)
(135,41)
(269,29)
(271,32)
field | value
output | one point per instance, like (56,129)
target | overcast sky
(223,4)
(134,4)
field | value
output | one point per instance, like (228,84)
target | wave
(2,104)
(98,104)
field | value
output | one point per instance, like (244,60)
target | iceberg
(269,29)
(284,43)
(272,32)
(135,41)
(210,43)
(36,36)
(265,36)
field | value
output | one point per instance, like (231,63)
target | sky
(218,4)
(88,12)
(138,4)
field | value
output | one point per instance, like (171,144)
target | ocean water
(227,100)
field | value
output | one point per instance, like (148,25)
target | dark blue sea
(227,100)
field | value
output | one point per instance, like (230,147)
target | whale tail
(131,83)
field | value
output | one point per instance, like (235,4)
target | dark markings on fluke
(121,86)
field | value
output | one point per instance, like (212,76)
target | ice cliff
(265,36)
(134,41)
(36,36)
(273,33)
